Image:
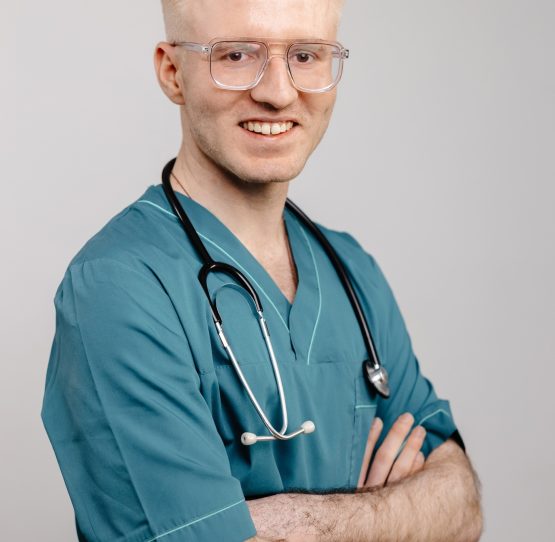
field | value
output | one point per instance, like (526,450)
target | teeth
(267,128)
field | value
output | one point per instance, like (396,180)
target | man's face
(214,119)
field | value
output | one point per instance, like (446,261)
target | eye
(236,56)
(303,57)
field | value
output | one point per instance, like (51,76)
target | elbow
(475,525)
(474,518)
(471,523)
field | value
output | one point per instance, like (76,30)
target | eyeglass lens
(313,66)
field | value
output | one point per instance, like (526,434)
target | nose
(275,87)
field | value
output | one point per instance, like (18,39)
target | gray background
(440,160)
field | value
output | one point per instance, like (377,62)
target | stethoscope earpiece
(248,439)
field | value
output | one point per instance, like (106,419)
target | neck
(252,211)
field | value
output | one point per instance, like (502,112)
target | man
(141,404)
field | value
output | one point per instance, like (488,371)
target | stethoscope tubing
(376,374)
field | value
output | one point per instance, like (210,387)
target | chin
(268,171)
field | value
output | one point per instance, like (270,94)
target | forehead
(207,19)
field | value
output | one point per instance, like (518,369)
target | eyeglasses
(239,64)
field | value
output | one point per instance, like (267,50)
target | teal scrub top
(145,411)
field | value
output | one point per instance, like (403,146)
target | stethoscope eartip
(308,427)
(248,439)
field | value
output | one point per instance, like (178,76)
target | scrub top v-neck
(145,411)
(298,318)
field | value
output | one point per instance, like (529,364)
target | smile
(267,128)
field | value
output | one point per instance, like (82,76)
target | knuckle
(382,455)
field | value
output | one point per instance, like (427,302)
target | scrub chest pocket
(366,404)
(332,394)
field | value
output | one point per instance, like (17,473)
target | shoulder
(133,237)
(135,252)
(363,270)
(353,255)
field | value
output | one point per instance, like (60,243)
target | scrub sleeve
(411,391)
(135,440)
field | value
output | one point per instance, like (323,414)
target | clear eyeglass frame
(207,48)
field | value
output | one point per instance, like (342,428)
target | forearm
(441,502)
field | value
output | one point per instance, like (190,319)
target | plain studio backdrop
(439,160)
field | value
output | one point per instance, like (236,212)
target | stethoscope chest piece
(378,378)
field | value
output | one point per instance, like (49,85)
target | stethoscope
(376,373)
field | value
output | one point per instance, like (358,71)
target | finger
(419,461)
(385,456)
(373,436)
(405,460)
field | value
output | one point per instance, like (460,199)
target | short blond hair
(175,19)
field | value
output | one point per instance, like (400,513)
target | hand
(387,467)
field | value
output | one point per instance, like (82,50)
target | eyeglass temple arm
(192,46)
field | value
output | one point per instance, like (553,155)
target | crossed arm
(403,498)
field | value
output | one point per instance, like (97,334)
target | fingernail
(406,418)
(420,431)
(375,422)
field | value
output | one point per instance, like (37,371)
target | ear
(167,71)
